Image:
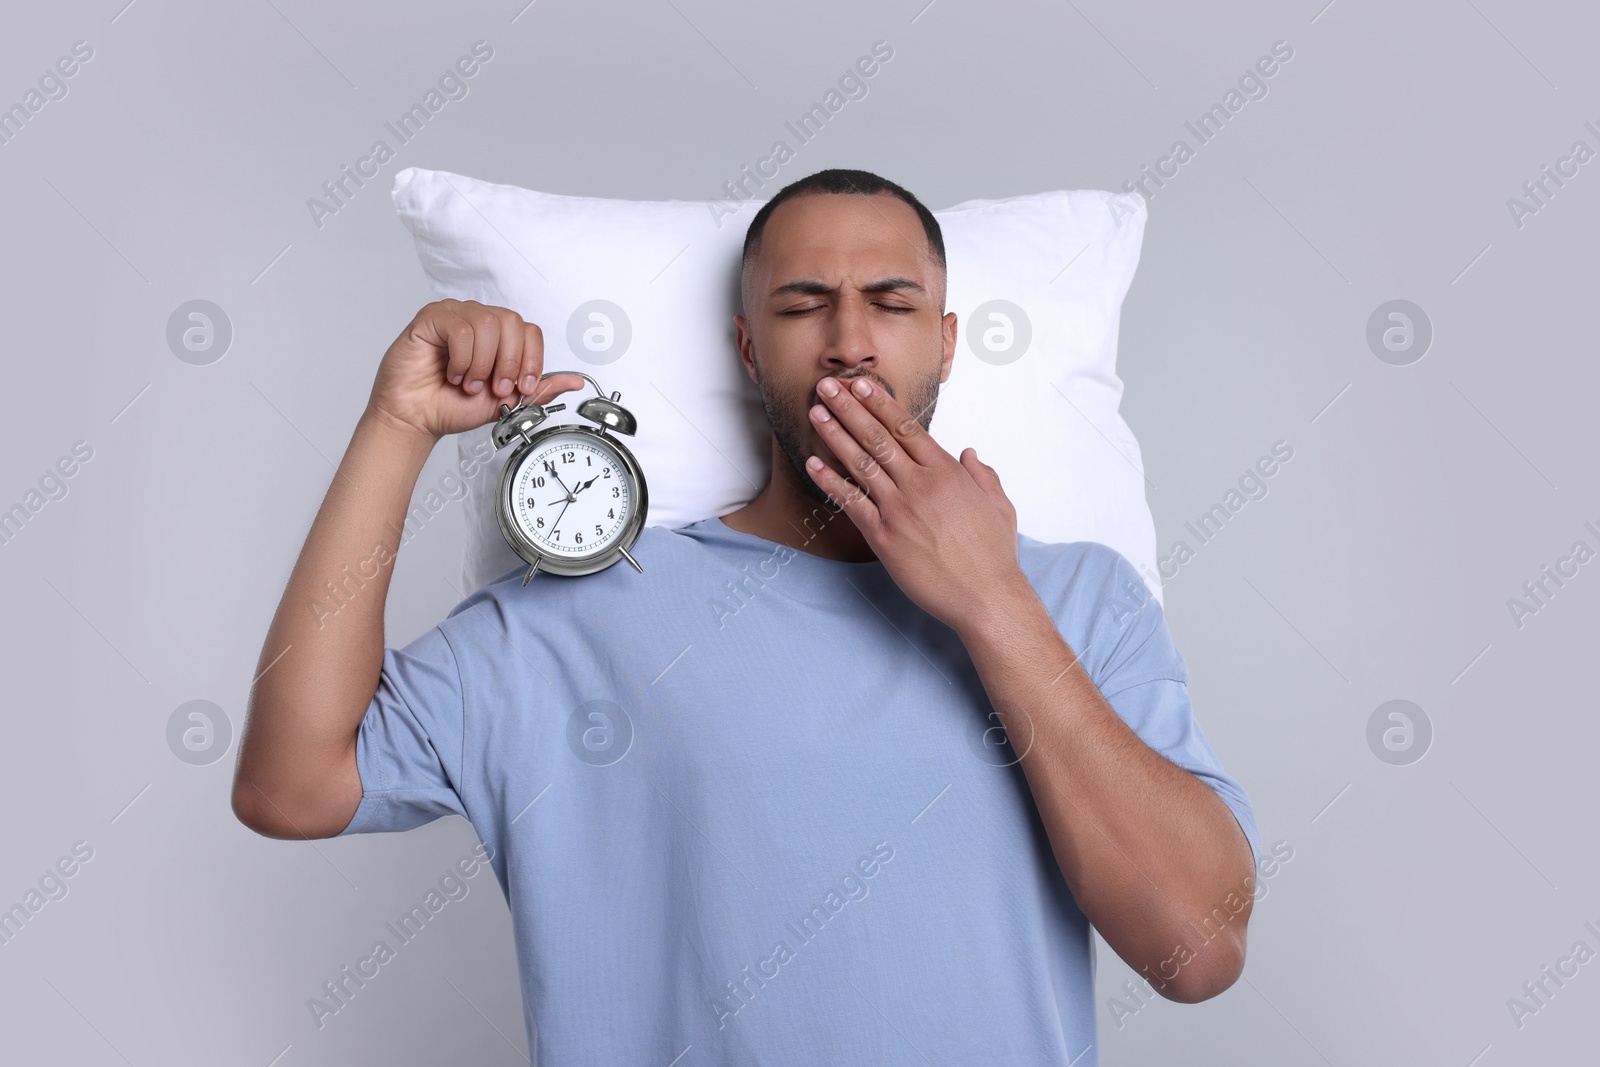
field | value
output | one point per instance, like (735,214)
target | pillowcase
(640,295)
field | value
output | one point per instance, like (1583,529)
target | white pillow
(641,296)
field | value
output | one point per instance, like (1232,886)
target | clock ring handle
(599,409)
(522,400)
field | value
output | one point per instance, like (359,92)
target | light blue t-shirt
(752,804)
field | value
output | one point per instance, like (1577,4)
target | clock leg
(631,560)
(529,576)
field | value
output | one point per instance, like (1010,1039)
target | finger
(532,359)
(869,435)
(508,356)
(562,382)
(458,337)
(987,477)
(981,472)
(903,426)
(536,385)
(856,460)
(485,343)
(851,498)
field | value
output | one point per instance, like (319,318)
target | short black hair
(836,180)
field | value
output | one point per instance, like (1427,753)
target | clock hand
(570,494)
(573,493)
(557,524)
(552,469)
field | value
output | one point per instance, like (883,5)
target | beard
(790,420)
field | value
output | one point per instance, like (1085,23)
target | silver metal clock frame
(520,423)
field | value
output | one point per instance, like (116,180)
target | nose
(849,341)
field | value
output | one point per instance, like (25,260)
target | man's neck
(784,512)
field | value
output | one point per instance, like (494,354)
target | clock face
(572,496)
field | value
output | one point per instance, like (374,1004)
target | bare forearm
(1147,848)
(320,664)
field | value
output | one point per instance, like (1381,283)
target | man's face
(844,285)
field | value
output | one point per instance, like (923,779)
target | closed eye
(886,307)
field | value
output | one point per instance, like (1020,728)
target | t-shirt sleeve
(1138,669)
(409,744)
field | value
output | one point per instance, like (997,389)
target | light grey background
(1379,566)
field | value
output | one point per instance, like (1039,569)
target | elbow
(295,791)
(1211,970)
(294,814)
(1193,988)
(246,803)
(252,808)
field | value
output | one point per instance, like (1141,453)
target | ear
(746,346)
(947,328)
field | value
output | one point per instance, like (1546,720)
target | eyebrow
(813,287)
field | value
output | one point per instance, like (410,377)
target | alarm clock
(571,499)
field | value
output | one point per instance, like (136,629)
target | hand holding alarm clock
(571,499)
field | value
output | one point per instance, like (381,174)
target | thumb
(983,474)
